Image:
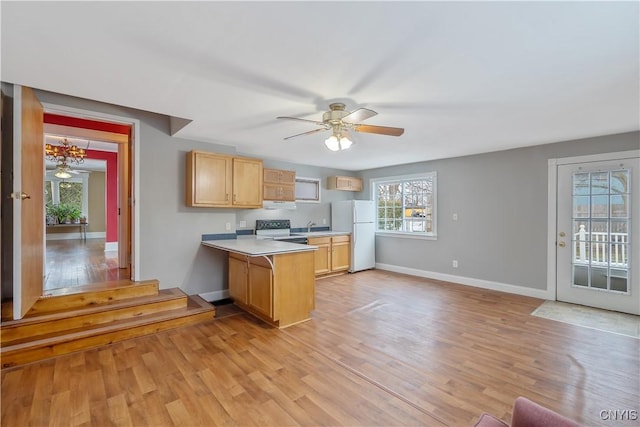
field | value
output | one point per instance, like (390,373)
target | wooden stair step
(196,310)
(93,294)
(15,331)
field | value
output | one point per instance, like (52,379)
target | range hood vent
(275,204)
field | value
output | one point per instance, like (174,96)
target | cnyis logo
(619,415)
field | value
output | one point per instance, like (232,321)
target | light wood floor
(381,349)
(75,262)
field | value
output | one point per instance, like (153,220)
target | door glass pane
(620,182)
(599,206)
(619,280)
(620,206)
(598,278)
(600,183)
(581,184)
(600,230)
(581,206)
(580,275)
(600,239)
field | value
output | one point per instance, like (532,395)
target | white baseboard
(76,236)
(215,295)
(110,246)
(469,281)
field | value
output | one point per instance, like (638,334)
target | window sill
(407,235)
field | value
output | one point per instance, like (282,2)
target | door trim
(135,172)
(552,207)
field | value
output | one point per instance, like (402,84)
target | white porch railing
(599,245)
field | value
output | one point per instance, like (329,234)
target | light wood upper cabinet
(208,179)
(347,183)
(247,183)
(279,185)
(333,254)
(218,180)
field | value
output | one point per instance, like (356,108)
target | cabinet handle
(226,197)
(234,197)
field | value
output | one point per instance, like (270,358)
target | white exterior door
(598,228)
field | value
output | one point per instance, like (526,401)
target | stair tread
(97,287)
(163,295)
(195,305)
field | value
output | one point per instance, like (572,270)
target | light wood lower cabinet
(283,295)
(333,254)
(238,278)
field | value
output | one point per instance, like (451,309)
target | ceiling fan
(341,122)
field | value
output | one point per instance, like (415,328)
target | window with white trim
(73,191)
(406,204)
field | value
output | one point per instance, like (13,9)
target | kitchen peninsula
(270,279)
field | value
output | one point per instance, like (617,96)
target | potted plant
(61,212)
(74,214)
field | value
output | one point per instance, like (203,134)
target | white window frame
(395,179)
(83,178)
(311,181)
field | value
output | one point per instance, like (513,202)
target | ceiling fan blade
(301,120)
(359,115)
(382,130)
(307,133)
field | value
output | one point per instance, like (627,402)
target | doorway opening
(92,244)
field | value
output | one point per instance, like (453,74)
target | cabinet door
(347,183)
(288,193)
(238,279)
(261,289)
(288,177)
(355,184)
(322,255)
(208,179)
(247,182)
(340,253)
(278,176)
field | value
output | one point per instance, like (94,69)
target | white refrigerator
(358,218)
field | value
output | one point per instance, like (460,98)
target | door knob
(20,196)
(562,234)
(561,244)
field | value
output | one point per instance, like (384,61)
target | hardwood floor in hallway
(75,262)
(381,349)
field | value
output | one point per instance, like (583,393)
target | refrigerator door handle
(355,236)
(355,213)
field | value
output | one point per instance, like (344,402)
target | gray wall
(501,202)
(170,232)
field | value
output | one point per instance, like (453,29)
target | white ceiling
(460,77)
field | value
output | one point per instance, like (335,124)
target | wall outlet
(455,263)
(455,216)
(227,226)
(324,221)
(243,224)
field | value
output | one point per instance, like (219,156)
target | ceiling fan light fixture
(345,143)
(332,143)
(62,174)
(62,171)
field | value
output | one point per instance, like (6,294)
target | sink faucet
(309,225)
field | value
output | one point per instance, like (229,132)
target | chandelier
(64,155)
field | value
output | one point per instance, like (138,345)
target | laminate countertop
(251,246)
